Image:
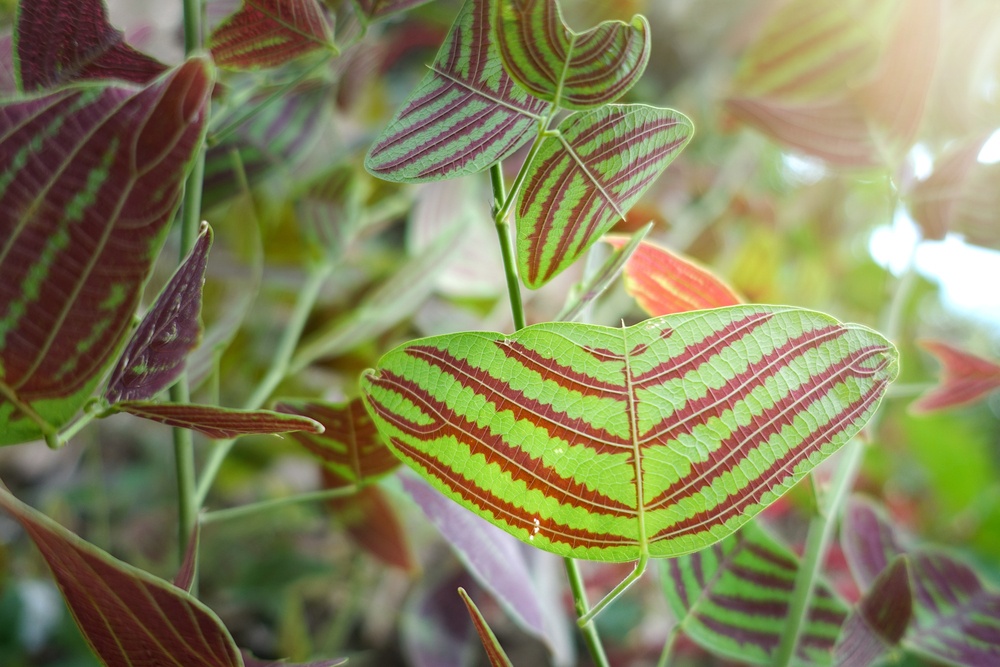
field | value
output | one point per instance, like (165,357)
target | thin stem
(668,646)
(589,631)
(252,509)
(506,247)
(640,568)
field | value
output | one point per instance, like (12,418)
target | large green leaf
(610,444)
(586,177)
(573,70)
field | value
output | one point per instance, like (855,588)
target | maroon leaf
(8,75)
(495,652)
(250,661)
(154,357)
(128,617)
(184,579)
(91,177)
(59,41)
(267,33)
(965,378)
(878,623)
(374,10)
(215,422)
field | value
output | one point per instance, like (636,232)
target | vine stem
(251,509)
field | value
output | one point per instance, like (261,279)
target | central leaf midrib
(631,403)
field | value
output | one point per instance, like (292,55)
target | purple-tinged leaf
(155,354)
(90,177)
(586,178)
(572,70)
(436,630)
(8,74)
(869,542)
(375,10)
(877,625)
(250,661)
(268,33)
(59,41)
(494,652)
(965,378)
(215,422)
(329,210)
(733,599)
(466,114)
(184,579)
(127,616)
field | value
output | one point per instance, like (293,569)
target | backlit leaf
(733,599)
(586,178)
(267,33)
(215,422)
(375,10)
(878,623)
(573,70)
(494,652)
(154,356)
(662,282)
(465,115)
(965,378)
(660,438)
(90,177)
(59,41)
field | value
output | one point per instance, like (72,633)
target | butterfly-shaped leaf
(90,177)
(878,623)
(608,444)
(494,651)
(733,599)
(466,114)
(216,422)
(586,178)
(965,378)
(59,41)
(573,70)
(268,33)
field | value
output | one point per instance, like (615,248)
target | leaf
(878,623)
(128,616)
(495,652)
(936,201)
(268,33)
(184,579)
(435,630)
(8,74)
(586,178)
(605,444)
(572,70)
(662,282)
(466,114)
(216,422)
(733,599)
(965,378)
(376,10)
(250,661)
(59,41)
(90,177)
(154,357)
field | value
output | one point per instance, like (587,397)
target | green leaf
(495,652)
(733,599)
(572,70)
(268,33)
(466,114)
(609,444)
(586,177)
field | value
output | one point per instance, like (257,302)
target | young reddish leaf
(268,33)
(965,378)
(586,178)
(609,444)
(250,661)
(572,70)
(465,115)
(349,444)
(128,616)
(494,652)
(154,357)
(662,282)
(90,177)
(215,422)
(878,623)
(375,10)
(733,599)
(59,41)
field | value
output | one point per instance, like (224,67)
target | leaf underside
(268,33)
(878,623)
(218,423)
(661,438)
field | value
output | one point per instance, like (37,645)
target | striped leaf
(218,423)
(877,625)
(268,33)
(585,178)
(965,378)
(733,599)
(572,70)
(90,177)
(662,282)
(376,10)
(609,444)
(466,114)
(497,656)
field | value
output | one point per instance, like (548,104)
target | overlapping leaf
(878,623)
(375,10)
(573,70)
(497,656)
(89,179)
(661,438)
(585,179)
(218,423)
(662,282)
(734,598)
(965,378)
(267,33)
(465,115)
(59,41)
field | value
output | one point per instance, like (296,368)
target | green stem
(668,646)
(589,630)
(252,509)
(506,247)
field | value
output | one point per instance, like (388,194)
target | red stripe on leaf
(965,378)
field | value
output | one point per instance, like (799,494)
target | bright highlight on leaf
(610,444)
(218,423)
(574,70)
(585,178)
(268,33)
(965,378)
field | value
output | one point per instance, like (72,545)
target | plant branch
(500,216)
(588,630)
(251,509)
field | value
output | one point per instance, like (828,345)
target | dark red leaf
(184,579)
(965,378)
(267,33)
(218,423)
(880,620)
(495,652)
(8,76)
(59,41)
